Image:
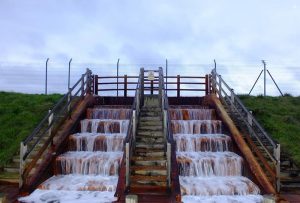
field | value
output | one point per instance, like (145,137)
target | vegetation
(280,116)
(19,114)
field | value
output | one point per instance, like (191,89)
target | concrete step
(151,123)
(150,118)
(149,161)
(151,140)
(11,169)
(150,128)
(149,170)
(146,113)
(147,178)
(150,134)
(147,153)
(150,146)
(154,190)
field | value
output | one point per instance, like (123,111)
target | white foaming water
(104,126)
(64,196)
(202,142)
(98,142)
(209,163)
(196,126)
(81,162)
(98,113)
(81,183)
(191,114)
(222,199)
(227,185)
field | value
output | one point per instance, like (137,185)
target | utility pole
(264,77)
(69,74)
(46,81)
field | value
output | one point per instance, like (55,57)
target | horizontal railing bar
(191,83)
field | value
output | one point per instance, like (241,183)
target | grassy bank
(19,114)
(280,116)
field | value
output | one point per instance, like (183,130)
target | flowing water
(209,171)
(89,171)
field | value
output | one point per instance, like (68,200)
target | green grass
(19,115)
(280,116)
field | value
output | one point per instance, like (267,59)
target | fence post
(127,163)
(169,163)
(178,85)
(125,85)
(96,83)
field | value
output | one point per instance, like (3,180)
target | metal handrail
(256,131)
(130,139)
(54,118)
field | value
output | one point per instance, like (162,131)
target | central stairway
(148,164)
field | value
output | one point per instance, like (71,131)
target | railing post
(142,85)
(277,156)
(220,86)
(206,85)
(178,85)
(50,120)
(82,84)
(165,113)
(96,83)
(169,163)
(134,123)
(69,100)
(127,163)
(151,88)
(125,85)
(249,118)
(23,150)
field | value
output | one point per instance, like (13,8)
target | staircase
(148,163)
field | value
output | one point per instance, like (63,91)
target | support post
(215,66)
(167,74)
(142,85)
(277,156)
(134,123)
(46,80)
(220,86)
(169,163)
(206,85)
(151,88)
(50,120)
(178,85)
(96,84)
(69,100)
(275,82)
(232,99)
(255,81)
(127,163)
(125,85)
(249,118)
(23,150)
(118,77)
(82,85)
(69,73)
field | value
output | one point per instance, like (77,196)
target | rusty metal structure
(38,151)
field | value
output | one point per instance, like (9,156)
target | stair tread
(159,178)
(148,168)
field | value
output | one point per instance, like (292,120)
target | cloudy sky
(190,34)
